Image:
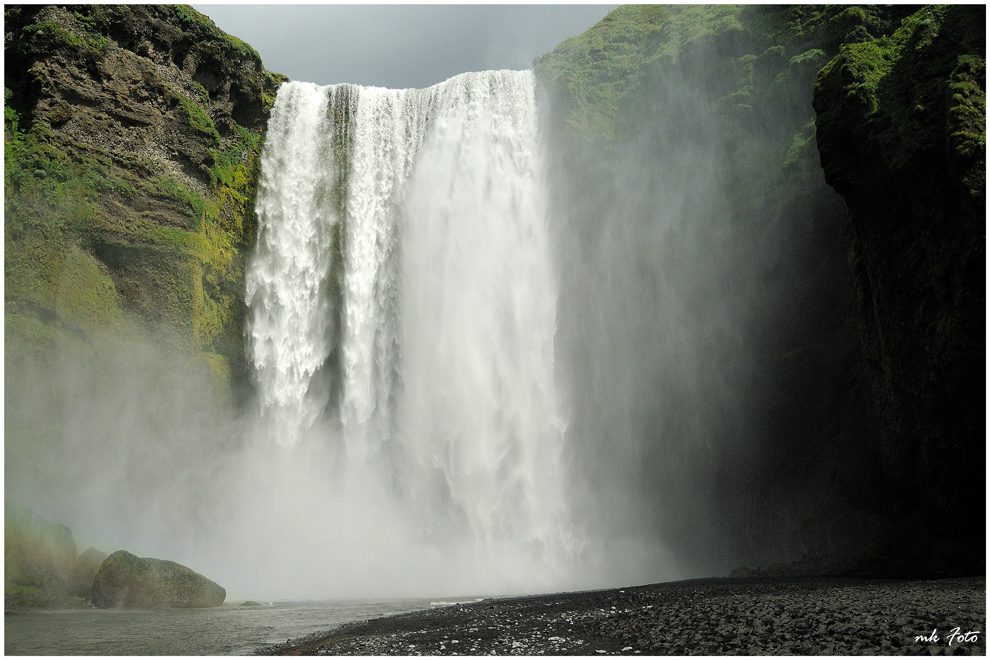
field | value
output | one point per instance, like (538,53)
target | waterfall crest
(403,307)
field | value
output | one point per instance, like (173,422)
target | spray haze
(121,438)
(690,269)
(436,419)
(489,357)
(402,315)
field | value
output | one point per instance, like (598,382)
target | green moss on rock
(595,70)
(168,224)
(125,580)
(901,132)
(198,119)
(591,74)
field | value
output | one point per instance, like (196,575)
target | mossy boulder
(125,580)
(41,568)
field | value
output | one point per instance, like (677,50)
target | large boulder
(125,580)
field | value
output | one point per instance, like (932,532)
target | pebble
(755,616)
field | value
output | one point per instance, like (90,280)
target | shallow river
(226,630)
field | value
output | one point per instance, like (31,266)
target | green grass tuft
(198,119)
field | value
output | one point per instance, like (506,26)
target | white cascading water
(402,310)
(290,333)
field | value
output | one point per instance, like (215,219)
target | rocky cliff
(132,137)
(40,566)
(902,135)
(866,452)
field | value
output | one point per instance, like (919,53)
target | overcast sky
(400,45)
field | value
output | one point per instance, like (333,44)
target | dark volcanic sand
(716,616)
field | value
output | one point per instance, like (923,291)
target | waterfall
(402,307)
(286,283)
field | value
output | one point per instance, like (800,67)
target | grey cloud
(400,45)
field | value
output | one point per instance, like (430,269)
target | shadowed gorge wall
(723,374)
(902,133)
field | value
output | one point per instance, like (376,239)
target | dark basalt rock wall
(901,133)
(706,273)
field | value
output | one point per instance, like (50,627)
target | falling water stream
(402,311)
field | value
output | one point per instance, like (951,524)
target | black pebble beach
(712,616)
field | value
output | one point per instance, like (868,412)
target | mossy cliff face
(592,76)
(132,139)
(709,109)
(40,564)
(901,132)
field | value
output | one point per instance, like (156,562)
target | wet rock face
(901,129)
(125,580)
(147,122)
(86,567)
(120,80)
(39,557)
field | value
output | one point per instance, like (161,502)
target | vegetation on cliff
(41,568)
(597,69)
(132,143)
(593,74)
(902,135)
(900,96)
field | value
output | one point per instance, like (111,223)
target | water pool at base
(228,630)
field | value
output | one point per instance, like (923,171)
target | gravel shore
(713,616)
